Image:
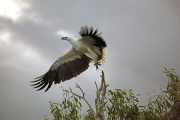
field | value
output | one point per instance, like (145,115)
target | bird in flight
(90,48)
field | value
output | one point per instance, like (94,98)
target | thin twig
(80,89)
(83,97)
(96,85)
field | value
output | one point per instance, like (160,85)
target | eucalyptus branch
(82,97)
(96,85)
(100,96)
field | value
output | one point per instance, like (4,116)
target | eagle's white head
(71,40)
(64,38)
(68,39)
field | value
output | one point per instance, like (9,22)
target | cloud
(64,33)
(12,9)
(19,10)
(20,53)
(142,38)
(5,38)
(35,17)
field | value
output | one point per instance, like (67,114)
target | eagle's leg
(97,64)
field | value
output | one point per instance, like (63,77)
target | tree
(121,104)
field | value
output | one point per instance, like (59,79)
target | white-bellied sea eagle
(90,48)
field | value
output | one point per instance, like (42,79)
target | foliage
(122,104)
(166,105)
(68,109)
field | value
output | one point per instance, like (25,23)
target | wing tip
(89,31)
(40,82)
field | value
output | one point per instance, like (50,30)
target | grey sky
(142,38)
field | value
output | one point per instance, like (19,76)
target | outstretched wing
(91,36)
(85,31)
(66,67)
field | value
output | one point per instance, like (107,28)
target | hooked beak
(63,38)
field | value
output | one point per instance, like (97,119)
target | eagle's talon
(97,65)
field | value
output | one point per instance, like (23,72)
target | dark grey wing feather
(86,31)
(66,67)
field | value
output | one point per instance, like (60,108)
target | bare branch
(96,85)
(82,97)
(75,93)
(80,89)
(100,96)
(99,101)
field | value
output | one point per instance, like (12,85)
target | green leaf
(80,104)
(52,111)
(124,93)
